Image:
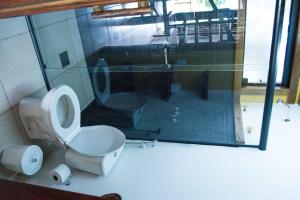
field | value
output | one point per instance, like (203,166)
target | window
(259,28)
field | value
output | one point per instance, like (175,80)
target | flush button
(64,59)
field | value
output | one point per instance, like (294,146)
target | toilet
(121,109)
(56,118)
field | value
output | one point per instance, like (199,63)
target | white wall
(20,76)
(58,32)
(20,73)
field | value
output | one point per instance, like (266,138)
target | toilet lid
(101,81)
(62,112)
(97,140)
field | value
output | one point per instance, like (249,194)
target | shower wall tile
(40,93)
(9,125)
(76,40)
(20,73)
(12,26)
(53,73)
(72,78)
(98,28)
(85,36)
(70,14)
(46,19)
(87,85)
(54,40)
(64,25)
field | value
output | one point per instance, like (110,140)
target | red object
(10,190)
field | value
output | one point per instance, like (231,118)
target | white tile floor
(180,171)
(252,119)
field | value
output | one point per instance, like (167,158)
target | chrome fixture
(166,47)
(287,117)
(249,129)
(142,144)
(244,108)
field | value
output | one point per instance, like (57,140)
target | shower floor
(186,118)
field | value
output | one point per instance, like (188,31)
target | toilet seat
(97,140)
(62,113)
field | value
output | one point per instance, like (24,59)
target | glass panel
(259,30)
(173,75)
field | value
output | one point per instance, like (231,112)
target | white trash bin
(25,159)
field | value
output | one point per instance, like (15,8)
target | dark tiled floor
(184,118)
(188,118)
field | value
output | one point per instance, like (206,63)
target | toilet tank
(30,114)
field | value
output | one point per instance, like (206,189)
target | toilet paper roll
(25,159)
(60,174)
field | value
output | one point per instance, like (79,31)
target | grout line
(1,85)
(10,37)
(63,20)
(12,106)
(5,112)
(78,62)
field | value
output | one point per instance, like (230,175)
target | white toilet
(56,118)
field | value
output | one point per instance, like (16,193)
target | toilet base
(99,165)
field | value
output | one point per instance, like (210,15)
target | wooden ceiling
(14,8)
(121,12)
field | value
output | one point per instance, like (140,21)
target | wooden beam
(240,45)
(238,122)
(14,8)
(120,12)
(295,72)
(238,71)
(298,96)
(255,90)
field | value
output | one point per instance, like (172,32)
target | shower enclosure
(175,74)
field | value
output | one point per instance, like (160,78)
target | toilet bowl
(121,109)
(56,118)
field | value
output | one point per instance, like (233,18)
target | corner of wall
(20,76)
